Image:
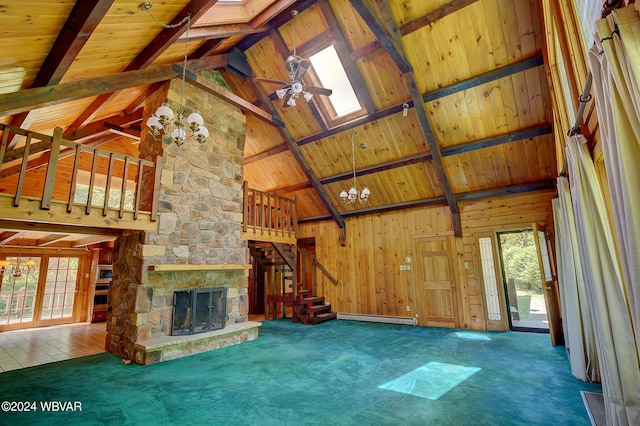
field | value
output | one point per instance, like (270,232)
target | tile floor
(26,348)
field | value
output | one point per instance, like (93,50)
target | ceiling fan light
(281,93)
(291,101)
(308,96)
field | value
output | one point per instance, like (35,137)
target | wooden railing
(268,217)
(308,267)
(134,198)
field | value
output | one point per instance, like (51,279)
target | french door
(43,294)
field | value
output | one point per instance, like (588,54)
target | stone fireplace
(197,244)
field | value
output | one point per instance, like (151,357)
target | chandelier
(353,194)
(164,120)
(17,267)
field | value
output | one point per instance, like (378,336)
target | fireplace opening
(199,311)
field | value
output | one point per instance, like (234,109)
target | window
(332,75)
(327,71)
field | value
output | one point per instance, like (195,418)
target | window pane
(490,280)
(332,75)
(60,289)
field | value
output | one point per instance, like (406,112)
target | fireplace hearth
(199,311)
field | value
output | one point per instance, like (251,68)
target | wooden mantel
(208,267)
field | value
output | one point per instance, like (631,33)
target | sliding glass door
(42,294)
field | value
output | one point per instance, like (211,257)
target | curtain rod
(583,98)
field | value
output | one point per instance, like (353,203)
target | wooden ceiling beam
(542,185)
(266,154)
(38,97)
(389,43)
(94,239)
(53,228)
(394,109)
(487,77)
(8,236)
(168,36)
(431,17)
(50,239)
(522,134)
(81,23)
(231,98)
(161,42)
(100,126)
(221,31)
(280,19)
(393,45)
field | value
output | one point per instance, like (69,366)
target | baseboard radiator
(378,318)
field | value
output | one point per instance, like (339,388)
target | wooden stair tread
(318,308)
(322,317)
(312,299)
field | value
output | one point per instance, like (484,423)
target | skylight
(332,75)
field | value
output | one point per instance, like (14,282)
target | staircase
(285,285)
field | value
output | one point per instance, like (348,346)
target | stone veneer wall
(200,212)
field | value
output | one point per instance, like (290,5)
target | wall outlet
(466,265)
(408,308)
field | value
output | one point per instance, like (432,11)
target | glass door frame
(45,255)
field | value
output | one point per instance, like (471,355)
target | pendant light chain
(163,120)
(353,194)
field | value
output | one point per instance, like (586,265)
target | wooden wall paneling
(368,268)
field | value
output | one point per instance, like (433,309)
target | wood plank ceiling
(453,94)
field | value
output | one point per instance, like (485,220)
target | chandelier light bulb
(353,194)
(164,113)
(202,134)
(163,119)
(154,125)
(195,120)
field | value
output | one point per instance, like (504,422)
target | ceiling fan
(296,67)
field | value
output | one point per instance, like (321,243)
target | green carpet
(336,373)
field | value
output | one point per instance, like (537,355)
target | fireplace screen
(199,311)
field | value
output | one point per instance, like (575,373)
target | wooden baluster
(74,178)
(92,179)
(123,190)
(23,171)
(136,202)
(156,188)
(52,168)
(107,188)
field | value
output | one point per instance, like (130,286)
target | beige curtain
(617,354)
(579,334)
(615,62)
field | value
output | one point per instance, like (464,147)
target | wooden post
(52,167)
(123,190)
(23,171)
(156,189)
(245,205)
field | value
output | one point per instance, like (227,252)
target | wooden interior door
(546,261)
(434,283)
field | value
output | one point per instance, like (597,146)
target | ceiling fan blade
(303,66)
(270,81)
(317,90)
